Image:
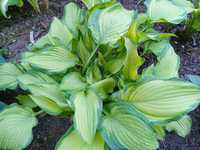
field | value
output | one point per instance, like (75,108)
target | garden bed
(14,35)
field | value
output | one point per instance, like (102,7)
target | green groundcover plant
(4,4)
(89,67)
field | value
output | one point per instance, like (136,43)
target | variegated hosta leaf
(59,31)
(47,105)
(58,34)
(127,91)
(125,131)
(133,61)
(4,4)
(16,125)
(185,4)
(73,17)
(87,40)
(104,87)
(8,76)
(83,52)
(157,120)
(73,82)
(165,98)
(173,11)
(55,60)
(49,91)
(92,3)
(93,74)
(49,98)
(160,131)
(33,77)
(136,31)
(88,109)
(73,141)
(26,101)
(106,26)
(168,62)
(113,66)
(155,35)
(182,126)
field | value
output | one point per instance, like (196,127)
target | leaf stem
(105,112)
(39,112)
(90,58)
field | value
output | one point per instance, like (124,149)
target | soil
(15,35)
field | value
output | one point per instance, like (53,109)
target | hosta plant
(175,12)
(193,24)
(172,11)
(4,4)
(91,66)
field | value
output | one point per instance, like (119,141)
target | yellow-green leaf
(46,104)
(125,131)
(106,26)
(73,141)
(92,3)
(55,60)
(185,4)
(83,52)
(173,11)
(113,66)
(88,108)
(182,126)
(26,101)
(168,62)
(93,74)
(104,87)
(165,98)
(33,77)
(73,17)
(133,61)
(160,131)
(58,34)
(73,82)
(50,91)
(8,76)
(16,125)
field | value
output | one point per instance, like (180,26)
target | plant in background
(4,4)
(175,12)
(87,67)
(193,24)
(172,11)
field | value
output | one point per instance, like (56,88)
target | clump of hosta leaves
(175,12)
(193,24)
(4,4)
(172,11)
(88,67)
